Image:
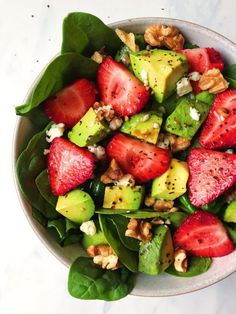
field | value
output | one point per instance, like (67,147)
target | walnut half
(104,256)
(213,81)
(181,262)
(139,229)
(163,35)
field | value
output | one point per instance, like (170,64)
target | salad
(132,154)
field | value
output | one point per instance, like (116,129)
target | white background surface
(31,279)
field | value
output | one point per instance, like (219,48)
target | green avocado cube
(76,205)
(160,70)
(97,238)
(158,254)
(187,118)
(230,212)
(123,197)
(88,130)
(145,126)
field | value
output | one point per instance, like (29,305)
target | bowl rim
(19,121)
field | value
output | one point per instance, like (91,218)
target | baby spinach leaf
(89,281)
(127,257)
(107,211)
(175,218)
(215,206)
(121,223)
(140,41)
(63,70)
(37,215)
(64,231)
(28,166)
(197,266)
(84,31)
(185,204)
(188,45)
(43,185)
(230,75)
(232,232)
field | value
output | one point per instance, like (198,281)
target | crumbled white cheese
(145,117)
(46,151)
(98,151)
(183,86)
(88,227)
(144,77)
(115,123)
(194,114)
(56,130)
(194,76)
(126,180)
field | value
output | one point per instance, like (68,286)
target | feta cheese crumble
(56,130)
(144,77)
(194,76)
(183,86)
(194,114)
(98,151)
(126,180)
(88,227)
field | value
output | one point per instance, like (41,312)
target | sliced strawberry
(70,104)
(219,130)
(203,59)
(144,161)
(211,174)
(202,234)
(120,88)
(216,59)
(68,166)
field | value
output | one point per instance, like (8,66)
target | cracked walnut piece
(213,81)
(163,35)
(128,39)
(104,256)
(160,205)
(176,143)
(98,56)
(113,173)
(139,229)
(181,262)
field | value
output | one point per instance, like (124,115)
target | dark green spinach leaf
(188,45)
(62,71)
(197,266)
(43,185)
(185,204)
(231,231)
(89,281)
(37,215)
(107,211)
(64,231)
(121,223)
(28,166)
(230,75)
(128,258)
(85,32)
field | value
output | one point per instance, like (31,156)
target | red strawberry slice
(120,88)
(203,59)
(144,161)
(68,166)
(219,130)
(70,104)
(211,174)
(216,59)
(202,234)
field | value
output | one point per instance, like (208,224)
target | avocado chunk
(97,238)
(160,70)
(76,205)
(145,126)
(88,130)
(123,197)
(172,183)
(230,212)
(187,118)
(158,254)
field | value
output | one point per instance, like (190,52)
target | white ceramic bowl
(164,284)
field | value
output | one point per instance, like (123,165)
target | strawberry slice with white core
(68,166)
(203,234)
(211,174)
(120,88)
